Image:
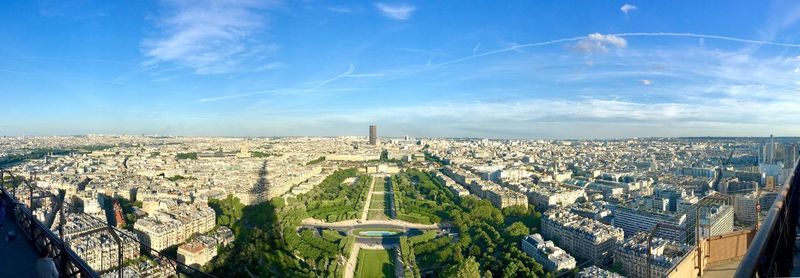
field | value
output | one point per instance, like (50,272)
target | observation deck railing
(40,235)
(772,251)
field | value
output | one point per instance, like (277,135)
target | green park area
(375,263)
(378,202)
(270,243)
(335,200)
(380,206)
(418,199)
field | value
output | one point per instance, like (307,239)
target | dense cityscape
(399,138)
(360,206)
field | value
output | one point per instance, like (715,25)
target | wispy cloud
(599,43)
(270,66)
(396,11)
(344,74)
(283,91)
(423,51)
(616,40)
(298,91)
(209,37)
(529,118)
(692,35)
(360,75)
(627,8)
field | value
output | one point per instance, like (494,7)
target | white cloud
(525,118)
(627,8)
(269,66)
(209,37)
(396,11)
(600,43)
(716,92)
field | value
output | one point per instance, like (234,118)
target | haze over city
(544,69)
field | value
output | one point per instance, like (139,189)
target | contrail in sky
(348,72)
(557,41)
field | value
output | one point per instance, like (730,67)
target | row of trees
(34,154)
(418,202)
(259,248)
(325,254)
(262,154)
(315,161)
(487,236)
(268,242)
(332,200)
(192,155)
(228,210)
(407,257)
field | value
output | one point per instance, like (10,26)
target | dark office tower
(373,135)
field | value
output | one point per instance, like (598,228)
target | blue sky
(498,69)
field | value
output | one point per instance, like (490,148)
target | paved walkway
(17,258)
(722,269)
(365,210)
(398,264)
(350,267)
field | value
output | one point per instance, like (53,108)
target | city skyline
(523,70)
(143,205)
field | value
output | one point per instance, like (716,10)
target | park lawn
(375,263)
(378,201)
(377,215)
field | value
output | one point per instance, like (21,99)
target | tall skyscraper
(373,135)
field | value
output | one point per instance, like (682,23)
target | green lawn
(378,201)
(380,206)
(377,215)
(375,263)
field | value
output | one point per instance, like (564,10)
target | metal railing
(68,263)
(771,252)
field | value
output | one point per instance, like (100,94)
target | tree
(510,271)
(515,211)
(537,220)
(457,254)
(468,268)
(278,202)
(517,231)
(228,210)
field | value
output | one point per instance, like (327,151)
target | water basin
(377,233)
